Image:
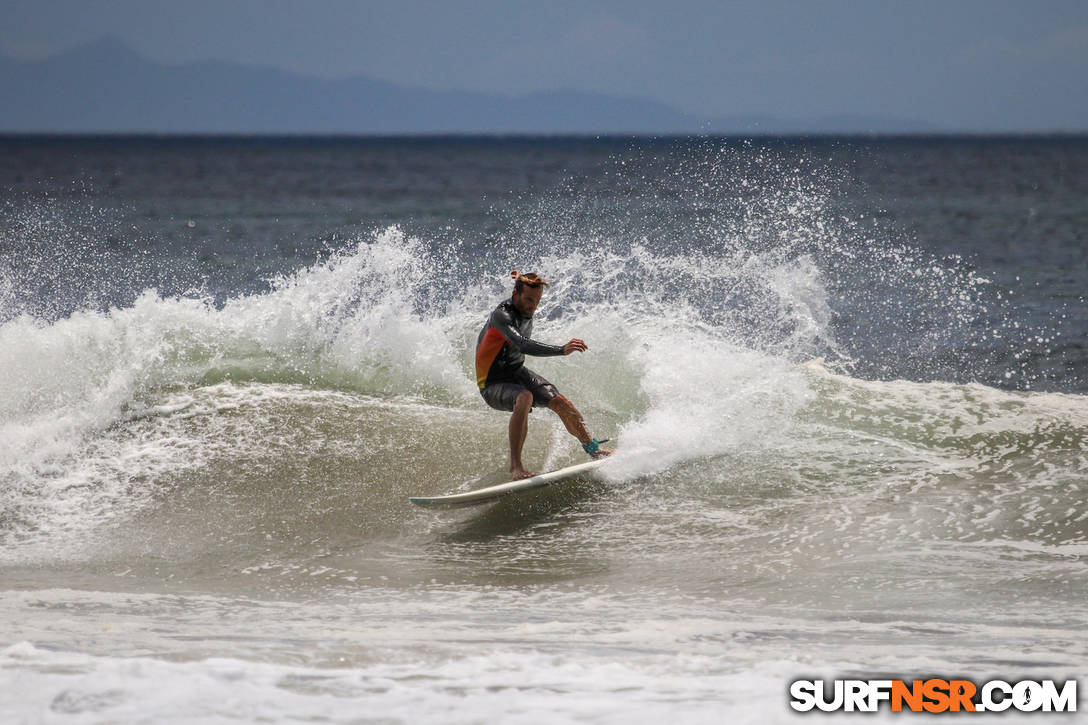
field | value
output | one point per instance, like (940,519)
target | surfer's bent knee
(524,401)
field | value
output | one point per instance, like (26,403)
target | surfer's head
(527,291)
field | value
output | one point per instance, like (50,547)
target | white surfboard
(493,493)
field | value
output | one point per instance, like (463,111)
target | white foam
(692,356)
(511,686)
(379,318)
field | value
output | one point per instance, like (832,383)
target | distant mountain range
(106,87)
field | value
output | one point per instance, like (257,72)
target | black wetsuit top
(503,344)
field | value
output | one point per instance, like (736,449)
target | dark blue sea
(846,379)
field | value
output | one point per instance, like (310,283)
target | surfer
(506,384)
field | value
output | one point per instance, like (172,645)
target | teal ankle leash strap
(594,446)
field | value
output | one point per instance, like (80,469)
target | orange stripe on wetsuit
(489,348)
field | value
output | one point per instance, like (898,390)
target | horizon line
(13,134)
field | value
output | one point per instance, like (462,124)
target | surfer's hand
(574,345)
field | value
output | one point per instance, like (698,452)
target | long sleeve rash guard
(503,344)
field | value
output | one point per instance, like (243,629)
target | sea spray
(231,516)
(701,281)
(699,293)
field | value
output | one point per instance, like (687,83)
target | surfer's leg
(573,420)
(544,393)
(519,400)
(519,429)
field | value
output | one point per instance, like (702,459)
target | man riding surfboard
(506,384)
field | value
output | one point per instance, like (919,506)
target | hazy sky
(973,64)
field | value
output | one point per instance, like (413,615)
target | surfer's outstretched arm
(504,324)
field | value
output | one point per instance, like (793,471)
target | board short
(502,396)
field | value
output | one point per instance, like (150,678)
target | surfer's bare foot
(602,452)
(516,474)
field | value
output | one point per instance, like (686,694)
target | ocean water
(846,377)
